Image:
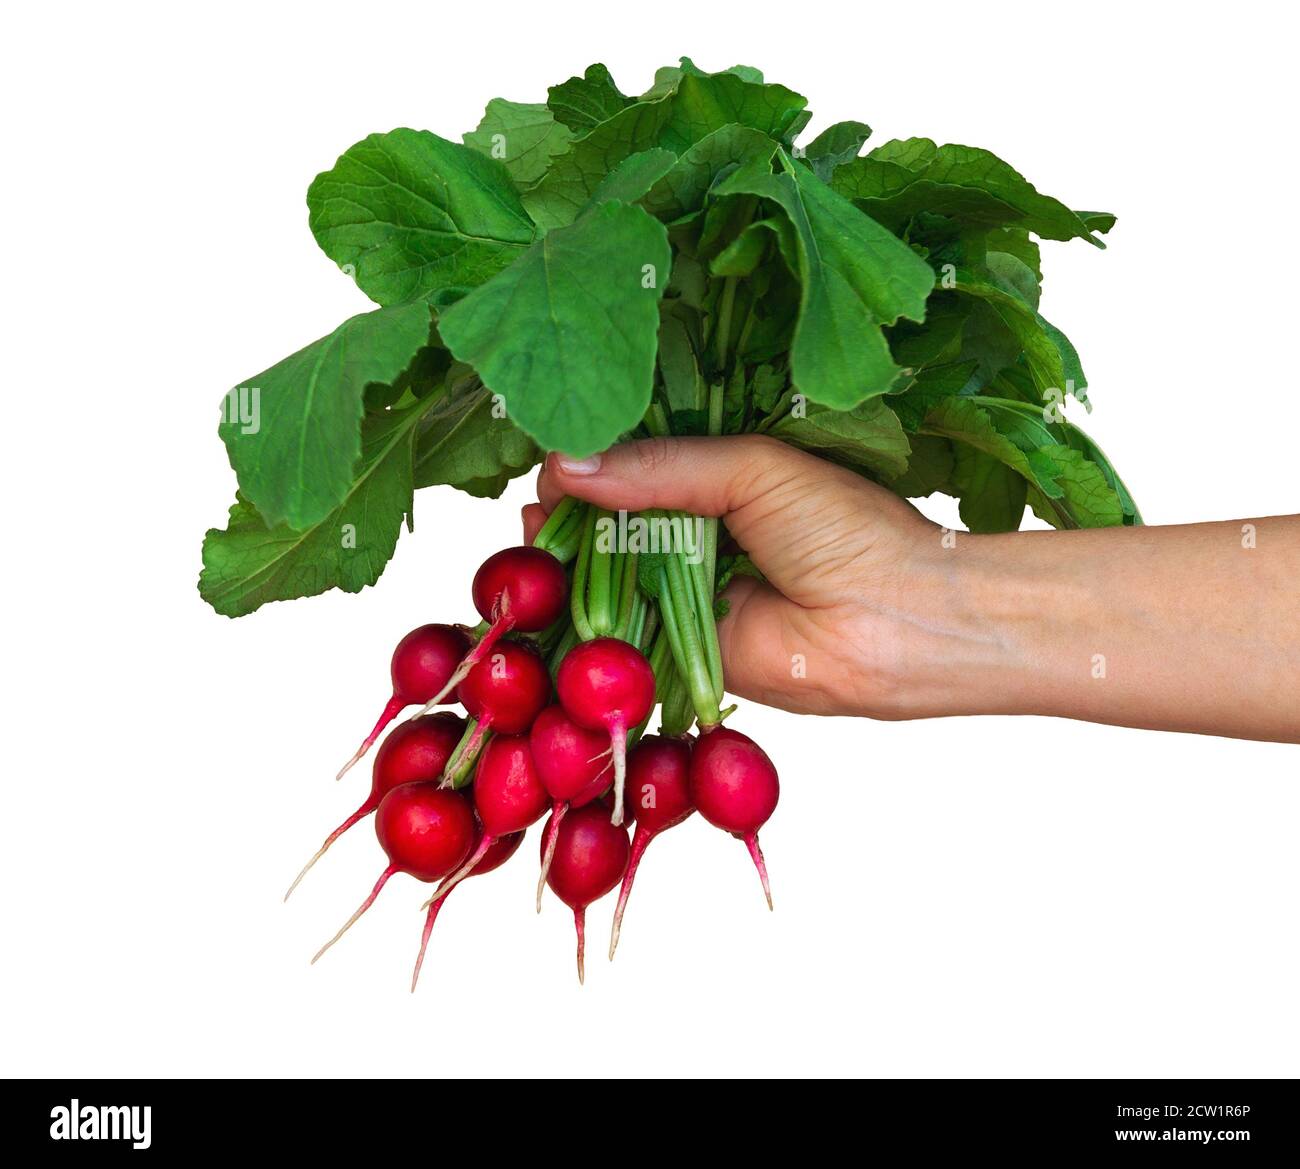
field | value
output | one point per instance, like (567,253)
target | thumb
(773,498)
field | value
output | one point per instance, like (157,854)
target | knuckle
(766,450)
(766,464)
(655,454)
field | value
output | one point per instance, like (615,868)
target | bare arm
(871,609)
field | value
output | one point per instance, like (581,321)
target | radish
(426,831)
(503,693)
(508,796)
(416,750)
(572,763)
(502,849)
(607,684)
(590,859)
(423,663)
(522,589)
(658,776)
(735,787)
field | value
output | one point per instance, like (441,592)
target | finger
(779,503)
(763,638)
(756,613)
(549,493)
(533,516)
(707,476)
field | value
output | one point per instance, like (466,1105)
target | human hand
(851,619)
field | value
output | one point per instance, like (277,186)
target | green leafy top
(581,267)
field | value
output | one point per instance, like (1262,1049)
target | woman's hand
(870,609)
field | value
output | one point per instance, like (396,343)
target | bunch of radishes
(556,723)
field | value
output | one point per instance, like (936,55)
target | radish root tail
(394,707)
(751,843)
(464,871)
(434,906)
(552,835)
(503,624)
(639,844)
(364,810)
(580,924)
(351,921)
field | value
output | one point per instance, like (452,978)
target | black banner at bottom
(308,1117)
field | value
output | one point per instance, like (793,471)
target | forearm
(1191,628)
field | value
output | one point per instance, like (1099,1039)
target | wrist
(982,615)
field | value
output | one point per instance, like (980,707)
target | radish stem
(628,594)
(599,601)
(460,767)
(703,597)
(555,524)
(691,663)
(578,588)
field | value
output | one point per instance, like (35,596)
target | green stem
(564,544)
(702,586)
(716,398)
(578,589)
(460,767)
(555,523)
(600,603)
(711,522)
(722,334)
(668,617)
(692,663)
(628,594)
(562,647)
(647,623)
(746,328)
(676,713)
(656,420)
(661,661)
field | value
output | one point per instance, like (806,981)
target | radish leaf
(295,439)
(567,336)
(855,277)
(524,137)
(583,102)
(252,562)
(416,217)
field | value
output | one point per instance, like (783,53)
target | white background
(962,897)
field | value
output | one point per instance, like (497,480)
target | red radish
(416,750)
(734,785)
(523,589)
(502,849)
(505,692)
(508,796)
(572,763)
(426,831)
(658,777)
(423,663)
(607,684)
(590,859)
